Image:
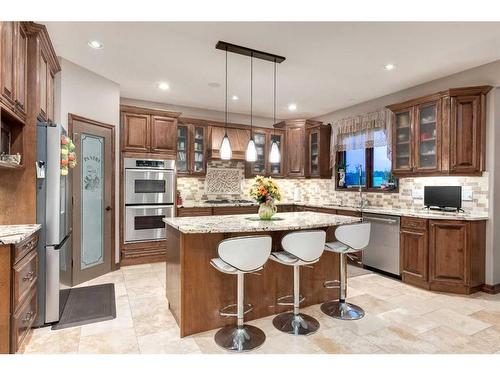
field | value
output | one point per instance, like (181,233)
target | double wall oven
(149,197)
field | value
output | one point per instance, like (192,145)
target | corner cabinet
(440,134)
(149,131)
(191,148)
(443,255)
(307,148)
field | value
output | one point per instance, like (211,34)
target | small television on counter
(448,198)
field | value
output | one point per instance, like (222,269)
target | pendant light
(274,155)
(251,152)
(225,147)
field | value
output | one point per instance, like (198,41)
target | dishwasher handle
(380,219)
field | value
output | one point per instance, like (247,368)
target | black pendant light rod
(251,96)
(225,104)
(274,106)
(249,52)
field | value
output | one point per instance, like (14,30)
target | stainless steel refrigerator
(54,198)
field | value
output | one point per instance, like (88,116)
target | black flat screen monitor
(443,196)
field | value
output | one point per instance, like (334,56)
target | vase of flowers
(265,191)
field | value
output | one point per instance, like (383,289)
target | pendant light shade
(274,155)
(225,149)
(251,153)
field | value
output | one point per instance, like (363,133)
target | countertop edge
(18,233)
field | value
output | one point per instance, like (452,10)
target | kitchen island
(196,291)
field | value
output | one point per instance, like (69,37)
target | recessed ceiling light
(292,107)
(234,97)
(163,86)
(95,44)
(389,66)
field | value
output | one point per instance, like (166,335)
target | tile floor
(399,319)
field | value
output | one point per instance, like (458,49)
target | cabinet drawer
(414,223)
(349,213)
(23,248)
(194,211)
(25,274)
(22,321)
(235,210)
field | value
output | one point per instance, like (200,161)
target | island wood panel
(196,291)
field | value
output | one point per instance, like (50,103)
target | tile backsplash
(410,193)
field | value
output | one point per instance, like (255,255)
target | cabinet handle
(29,276)
(28,316)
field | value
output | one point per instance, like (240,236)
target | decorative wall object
(223,181)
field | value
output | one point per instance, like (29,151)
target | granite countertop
(422,213)
(240,223)
(13,234)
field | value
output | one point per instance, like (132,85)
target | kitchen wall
(488,74)
(84,93)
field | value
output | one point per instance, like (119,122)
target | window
(365,163)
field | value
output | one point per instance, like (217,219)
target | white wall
(488,74)
(201,113)
(84,93)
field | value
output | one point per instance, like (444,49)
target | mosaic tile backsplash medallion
(323,191)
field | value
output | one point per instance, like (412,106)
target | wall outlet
(417,193)
(467,193)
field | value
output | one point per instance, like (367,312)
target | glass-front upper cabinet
(314,153)
(427,137)
(402,125)
(275,169)
(259,166)
(182,149)
(198,152)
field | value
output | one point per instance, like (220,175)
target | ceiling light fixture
(251,152)
(292,107)
(389,66)
(95,44)
(274,155)
(225,147)
(234,98)
(163,86)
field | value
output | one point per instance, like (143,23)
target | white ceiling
(329,65)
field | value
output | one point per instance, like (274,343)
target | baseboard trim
(491,289)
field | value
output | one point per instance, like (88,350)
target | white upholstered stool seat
(238,256)
(350,238)
(300,248)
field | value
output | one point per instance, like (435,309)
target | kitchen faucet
(362,202)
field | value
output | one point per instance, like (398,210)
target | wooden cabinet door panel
(8,60)
(50,95)
(163,135)
(198,150)
(427,134)
(21,69)
(43,68)
(136,132)
(403,140)
(465,134)
(414,253)
(448,251)
(295,151)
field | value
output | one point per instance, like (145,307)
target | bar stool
(350,238)
(238,256)
(300,249)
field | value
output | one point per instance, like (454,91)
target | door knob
(108,208)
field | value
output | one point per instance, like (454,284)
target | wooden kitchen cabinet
(443,255)
(263,167)
(149,131)
(440,134)
(191,157)
(307,148)
(18,292)
(414,251)
(13,76)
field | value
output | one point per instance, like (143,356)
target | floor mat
(87,305)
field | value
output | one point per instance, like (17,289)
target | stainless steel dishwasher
(383,251)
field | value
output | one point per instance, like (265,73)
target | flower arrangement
(265,191)
(68,155)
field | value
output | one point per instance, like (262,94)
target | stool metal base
(342,310)
(240,339)
(300,324)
